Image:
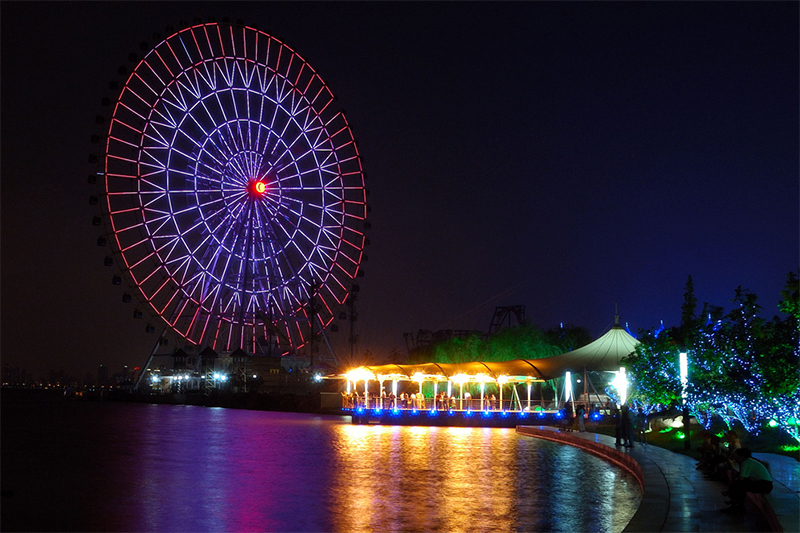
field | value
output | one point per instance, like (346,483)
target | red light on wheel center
(257,187)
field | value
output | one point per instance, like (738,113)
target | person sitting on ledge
(753,477)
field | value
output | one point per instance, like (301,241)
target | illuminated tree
(790,303)
(740,367)
(724,380)
(653,372)
(779,362)
(458,350)
(523,341)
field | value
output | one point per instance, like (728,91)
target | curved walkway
(676,497)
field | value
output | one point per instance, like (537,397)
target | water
(86,466)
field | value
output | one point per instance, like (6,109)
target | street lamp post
(683,363)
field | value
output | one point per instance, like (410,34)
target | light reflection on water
(178,468)
(467,479)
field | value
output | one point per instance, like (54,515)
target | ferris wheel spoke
(156,80)
(190,277)
(207,72)
(174,96)
(157,226)
(123,109)
(145,279)
(212,169)
(157,137)
(237,136)
(191,83)
(302,219)
(152,295)
(225,120)
(144,258)
(168,75)
(151,166)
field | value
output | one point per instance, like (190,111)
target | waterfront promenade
(677,498)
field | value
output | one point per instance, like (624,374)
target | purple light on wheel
(234,189)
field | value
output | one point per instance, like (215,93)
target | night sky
(563,156)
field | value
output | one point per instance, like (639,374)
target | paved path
(676,496)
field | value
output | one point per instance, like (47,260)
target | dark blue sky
(564,156)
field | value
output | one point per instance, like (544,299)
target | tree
(653,371)
(523,341)
(458,350)
(568,337)
(778,368)
(723,379)
(790,297)
(740,366)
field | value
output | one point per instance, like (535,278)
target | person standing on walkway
(581,411)
(617,425)
(753,477)
(568,416)
(626,425)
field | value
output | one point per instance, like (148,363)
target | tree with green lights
(522,341)
(653,372)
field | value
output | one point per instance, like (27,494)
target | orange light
(260,187)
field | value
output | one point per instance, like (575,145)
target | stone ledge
(606,452)
(762,504)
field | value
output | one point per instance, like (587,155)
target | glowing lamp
(620,383)
(460,378)
(257,188)
(568,386)
(683,367)
(359,374)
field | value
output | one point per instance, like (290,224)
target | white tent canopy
(601,355)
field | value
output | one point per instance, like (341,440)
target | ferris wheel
(233,190)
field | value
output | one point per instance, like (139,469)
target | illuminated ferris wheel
(233,190)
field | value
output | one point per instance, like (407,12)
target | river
(108,466)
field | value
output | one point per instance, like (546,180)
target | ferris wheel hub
(257,188)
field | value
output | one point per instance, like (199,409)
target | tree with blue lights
(653,372)
(741,367)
